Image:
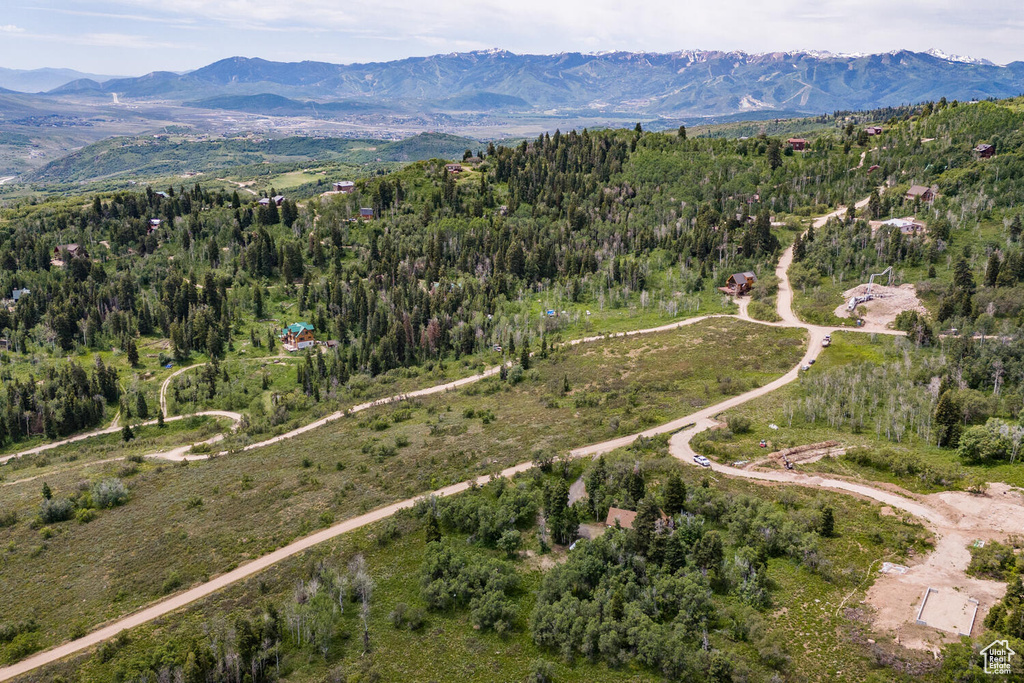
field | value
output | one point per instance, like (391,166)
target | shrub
(738,424)
(85,515)
(401,441)
(56,510)
(541,672)
(515,375)
(397,616)
(8,518)
(172,583)
(109,493)
(193,502)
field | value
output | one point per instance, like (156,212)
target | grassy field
(189,522)
(148,439)
(808,622)
(934,468)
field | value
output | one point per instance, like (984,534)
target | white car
(702,461)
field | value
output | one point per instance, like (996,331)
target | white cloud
(11,28)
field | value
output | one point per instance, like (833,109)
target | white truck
(827,340)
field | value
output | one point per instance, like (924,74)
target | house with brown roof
(985,151)
(623,517)
(345,187)
(453,168)
(925,194)
(72,249)
(798,144)
(739,284)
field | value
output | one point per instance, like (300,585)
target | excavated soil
(887,304)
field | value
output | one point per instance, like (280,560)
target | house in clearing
(985,151)
(739,284)
(907,226)
(297,336)
(873,130)
(925,194)
(366,214)
(345,187)
(798,144)
(623,517)
(453,168)
(72,249)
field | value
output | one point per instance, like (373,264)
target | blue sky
(133,37)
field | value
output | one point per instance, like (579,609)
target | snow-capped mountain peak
(961,59)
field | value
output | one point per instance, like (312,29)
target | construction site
(878,302)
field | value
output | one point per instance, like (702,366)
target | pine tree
(126,433)
(992,269)
(675,495)
(635,484)
(47,493)
(433,532)
(774,154)
(828,522)
(947,419)
(141,407)
(565,384)
(160,419)
(644,525)
(132,352)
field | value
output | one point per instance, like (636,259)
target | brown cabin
(366,214)
(798,144)
(72,249)
(925,194)
(345,187)
(985,151)
(739,284)
(873,130)
(625,518)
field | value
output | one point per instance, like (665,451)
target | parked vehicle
(702,461)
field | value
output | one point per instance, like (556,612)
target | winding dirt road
(948,517)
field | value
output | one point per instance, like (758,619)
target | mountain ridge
(685,82)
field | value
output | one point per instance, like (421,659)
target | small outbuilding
(739,284)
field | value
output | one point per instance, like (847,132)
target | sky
(134,37)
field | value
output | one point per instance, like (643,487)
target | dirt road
(679,445)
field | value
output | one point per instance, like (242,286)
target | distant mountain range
(688,83)
(42,80)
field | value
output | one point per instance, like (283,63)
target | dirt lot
(887,304)
(896,597)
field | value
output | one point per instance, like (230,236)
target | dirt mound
(888,302)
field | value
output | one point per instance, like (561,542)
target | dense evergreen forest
(453,264)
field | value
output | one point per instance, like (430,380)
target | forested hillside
(170,300)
